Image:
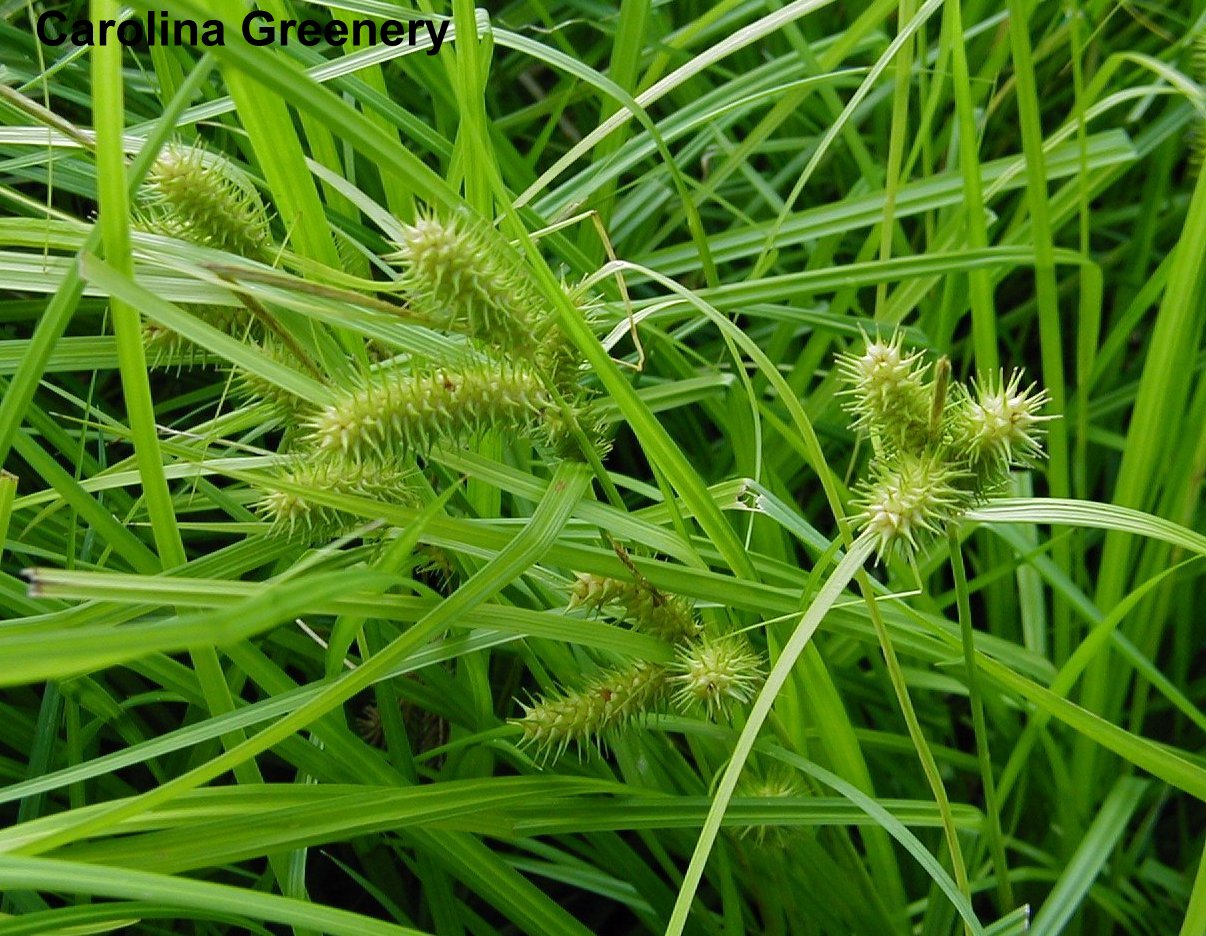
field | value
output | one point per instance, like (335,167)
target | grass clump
(470,321)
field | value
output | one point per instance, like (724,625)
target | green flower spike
(465,277)
(296,516)
(777,783)
(583,716)
(400,410)
(997,425)
(205,199)
(667,617)
(912,497)
(254,388)
(716,673)
(888,393)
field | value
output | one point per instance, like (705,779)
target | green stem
(996,841)
(928,764)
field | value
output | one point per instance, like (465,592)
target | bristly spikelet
(465,277)
(251,386)
(667,617)
(296,516)
(205,199)
(911,498)
(888,394)
(777,783)
(400,410)
(165,346)
(582,717)
(716,673)
(996,425)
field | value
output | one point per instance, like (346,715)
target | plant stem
(928,764)
(996,841)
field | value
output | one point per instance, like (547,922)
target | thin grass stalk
(996,840)
(896,145)
(8,493)
(1046,287)
(983,315)
(114,221)
(928,764)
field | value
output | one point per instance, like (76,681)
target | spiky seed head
(165,347)
(998,422)
(776,783)
(716,673)
(251,386)
(910,498)
(888,393)
(401,410)
(295,515)
(584,717)
(466,277)
(665,616)
(203,198)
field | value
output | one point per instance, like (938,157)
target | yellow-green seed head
(165,347)
(888,393)
(667,617)
(997,425)
(583,717)
(716,673)
(910,499)
(776,784)
(465,277)
(251,386)
(400,410)
(203,198)
(298,516)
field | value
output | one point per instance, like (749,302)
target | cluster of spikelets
(710,673)
(520,376)
(938,449)
(204,199)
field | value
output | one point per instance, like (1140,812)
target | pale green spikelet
(583,717)
(668,617)
(557,356)
(205,199)
(250,386)
(166,347)
(297,516)
(910,498)
(888,393)
(776,783)
(995,426)
(463,276)
(399,410)
(716,674)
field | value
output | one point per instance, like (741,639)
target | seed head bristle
(584,717)
(667,617)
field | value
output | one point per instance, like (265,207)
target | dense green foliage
(454,494)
